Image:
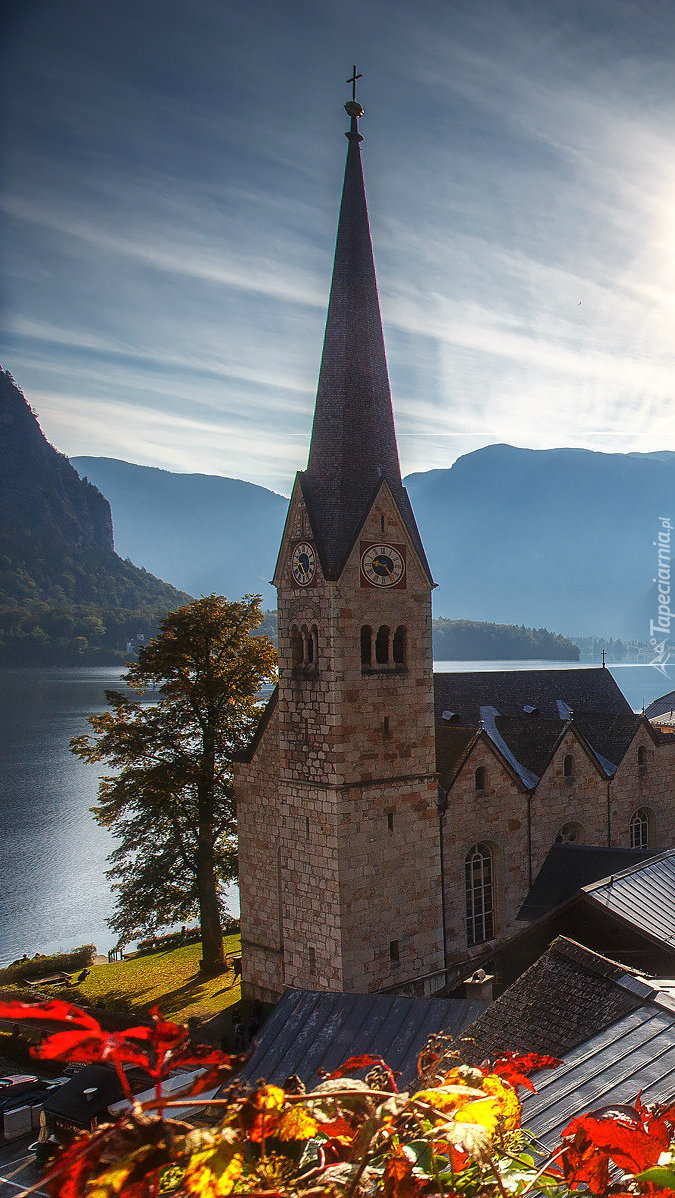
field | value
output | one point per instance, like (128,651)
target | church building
(390,822)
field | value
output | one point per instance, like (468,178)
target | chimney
(478,988)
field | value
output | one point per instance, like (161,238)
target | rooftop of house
(563,998)
(663,706)
(528,741)
(548,694)
(633,1055)
(642,895)
(86,1096)
(309,1031)
(568,868)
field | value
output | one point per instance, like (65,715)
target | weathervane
(353,108)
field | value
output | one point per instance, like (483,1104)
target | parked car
(9,1084)
(21,1090)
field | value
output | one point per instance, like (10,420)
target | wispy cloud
(172,213)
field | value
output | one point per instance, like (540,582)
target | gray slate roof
(635,1054)
(644,896)
(510,691)
(569,994)
(309,1030)
(570,867)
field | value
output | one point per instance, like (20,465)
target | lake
(53,890)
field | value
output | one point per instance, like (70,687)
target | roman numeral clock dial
(383,565)
(303,564)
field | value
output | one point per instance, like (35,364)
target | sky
(171,181)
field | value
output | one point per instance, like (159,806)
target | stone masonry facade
(340,858)
(519,826)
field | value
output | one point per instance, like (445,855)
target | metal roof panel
(635,1054)
(308,1031)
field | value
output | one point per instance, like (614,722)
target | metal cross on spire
(353,108)
(353,81)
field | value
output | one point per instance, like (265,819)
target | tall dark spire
(353,440)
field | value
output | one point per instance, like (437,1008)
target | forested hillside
(65,595)
(471,640)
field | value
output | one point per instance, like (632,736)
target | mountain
(557,538)
(203,532)
(561,537)
(65,595)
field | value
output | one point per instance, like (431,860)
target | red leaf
(352,1064)
(85,1046)
(515,1068)
(167,1040)
(632,1137)
(54,1011)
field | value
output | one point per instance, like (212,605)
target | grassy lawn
(168,978)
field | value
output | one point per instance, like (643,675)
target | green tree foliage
(61,606)
(171,802)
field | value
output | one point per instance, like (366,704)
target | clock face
(303,563)
(383,565)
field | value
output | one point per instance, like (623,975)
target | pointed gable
(353,446)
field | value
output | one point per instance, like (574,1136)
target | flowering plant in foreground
(458,1134)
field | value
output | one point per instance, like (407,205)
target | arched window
(400,646)
(366,645)
(639,829)
(642,757)
(480,778)
(297,653)
(568,767)
(479,894)
(569,834)
(382,646)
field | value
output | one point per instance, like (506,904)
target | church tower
(337,794)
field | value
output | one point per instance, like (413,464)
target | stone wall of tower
(332,713)
(260,821)
(390,883)
(351,846)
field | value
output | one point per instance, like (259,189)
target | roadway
(18,1170)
